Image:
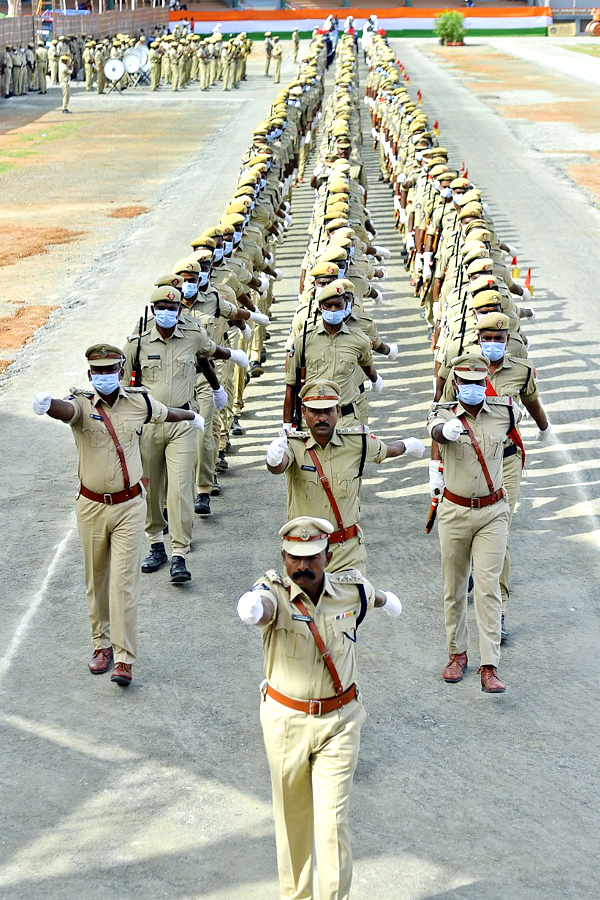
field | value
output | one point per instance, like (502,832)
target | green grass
(51,132)
(580,48)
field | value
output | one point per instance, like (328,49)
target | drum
(132,62)
(114,69)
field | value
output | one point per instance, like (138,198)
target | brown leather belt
(344,534)
(111,499)
(314,707)
(474,502)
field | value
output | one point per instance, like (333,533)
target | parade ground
(162,790)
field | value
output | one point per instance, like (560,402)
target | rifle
(301,369)
(136,370)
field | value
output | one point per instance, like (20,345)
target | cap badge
(305,536)
(103,352)
(321,390)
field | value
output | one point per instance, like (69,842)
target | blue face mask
(166,318)
(471,394)
(106,384)
(202,279)
(189,289)
(217,254)
(227,246)
(493,350)
(333,316)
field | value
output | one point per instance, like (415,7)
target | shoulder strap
(326,487)
(120,451)
(337,684)
(149,406)
(513,431)
(477,449)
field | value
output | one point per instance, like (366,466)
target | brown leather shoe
(101,661)
(455,669)
(490,683)
(122,674)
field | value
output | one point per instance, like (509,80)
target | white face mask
(227,247)
(446,193)
(436,185)
(418,155)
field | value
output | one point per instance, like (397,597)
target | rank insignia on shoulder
(131,389)
(80,392)
(355,429)
(348,575)
(273,576)
(499,401)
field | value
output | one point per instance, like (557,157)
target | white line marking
(25,622)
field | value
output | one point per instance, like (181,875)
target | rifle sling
(326,487)
(120,451)
(477,449)
(337,684)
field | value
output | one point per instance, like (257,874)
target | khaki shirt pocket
(151,371)
(463,447)
(292,639)
(307,485)
(344,481)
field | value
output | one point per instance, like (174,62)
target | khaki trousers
(312,761)
(66,93)
(111,538)
(226,74)
(239,379)
(53,71)
(225,372)
(89,76)
(277,69)
(41,76)
(512,470)
(203,74)
(205,442)
(168,452)
(479,535)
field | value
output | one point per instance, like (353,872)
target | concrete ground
(162,790)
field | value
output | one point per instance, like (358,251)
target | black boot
(155,559)
(202,507)
(179,573)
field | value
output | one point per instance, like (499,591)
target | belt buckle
(311,707)
(107,499)
(475,503)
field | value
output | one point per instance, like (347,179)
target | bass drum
(132,62)
(114,69)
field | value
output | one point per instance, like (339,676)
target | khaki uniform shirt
(292,660)
(99,464)
(169,367)
(340,461)
(463,474)
(332,357)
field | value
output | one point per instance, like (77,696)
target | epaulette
(355,429)
(274,576)
(499,401)
(136,337)
(347,576)
(130,389)
(446,405)
(302,435)
(75,392)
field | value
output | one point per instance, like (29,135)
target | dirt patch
(16,331)
(127,212)
(17,242)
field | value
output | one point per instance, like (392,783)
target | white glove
(453,429)
(279,236)
(410,241)
(278,275)
(41,403)
(383,251)
(259,317)
(436,478)
(220,397)
(413,447)
(403,216)
(544,435)
(374,133)
(287,221)
(377,385)
(512,250)
(239,358)
(246,332)
(276,449)
(270,259)
(286,206)
(427,258)
(419,263)
(526,296)
(197,422)
(393,351)
(250,607)
(264,283)
(392,606)
(397,206)
(378,298)
(532,315)
(319,169)
(383,272)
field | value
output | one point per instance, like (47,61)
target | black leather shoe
(236,428)
(202,508)
(179,573)
(216,488)
(222,464)
(503,631)
(263,356)
(255,369)
(155,559)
